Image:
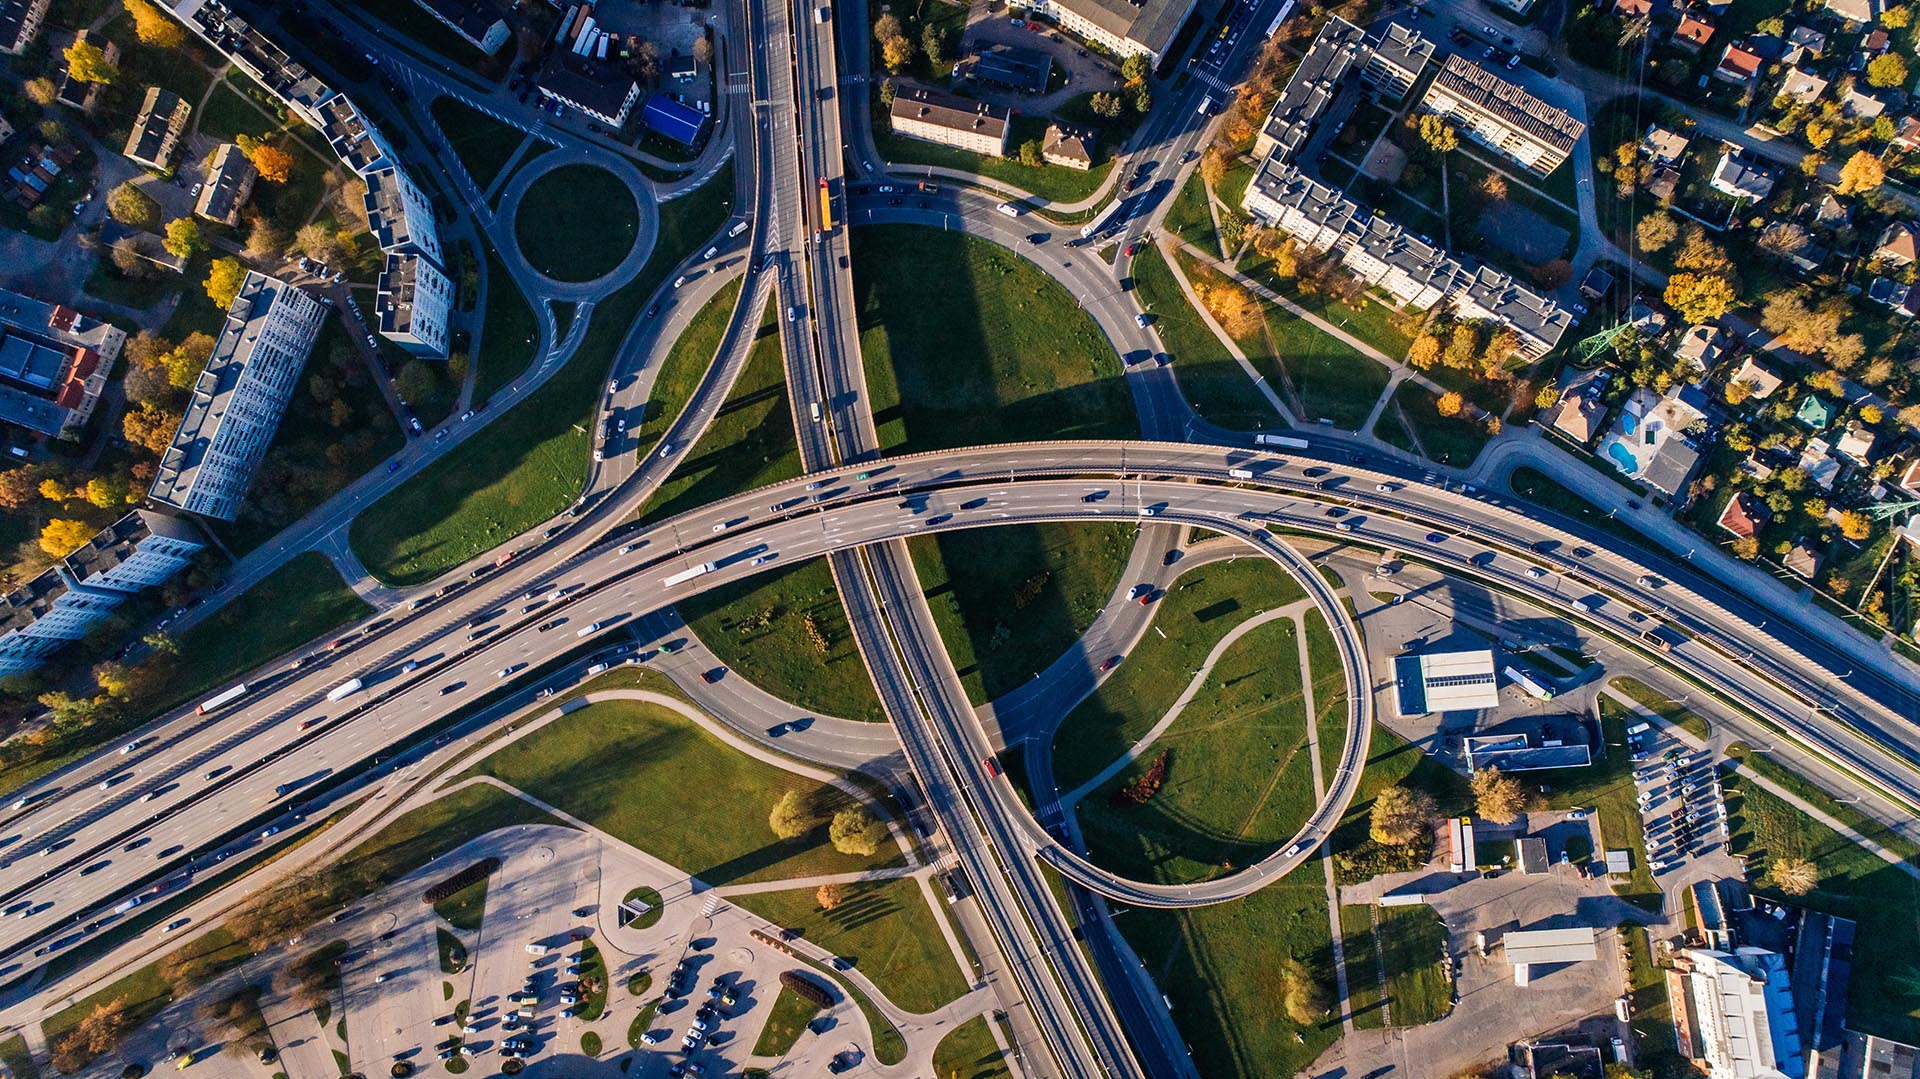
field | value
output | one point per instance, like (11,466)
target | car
(666,449)
(711,251)
(1109,664)
(1576,814)
(1435,537)
(1536,572)
(713,675)
(1134,247)
(651,1037)
(1142,320)
(270,831)
(681,280)
(1383,488)
(1513,61)
(591,627)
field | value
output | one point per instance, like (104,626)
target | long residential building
(1128,27)
(239,399)
(20,23)
(414,305)
(400,215)
(935,116)
(138,551)
(1411,269)
(355,141)
(53,364)
(1390,62)
(1501,116)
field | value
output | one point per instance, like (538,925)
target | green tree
(152,26)
(1030,153)
(87,63)
(1105,104)
(132,207)
(1135,69)
(855,831)
(1438,134)
(1886,70)
(183,238)
(1400,815)
(224,279)
(415,381)
(1498,796)
(933,43)
(791,817)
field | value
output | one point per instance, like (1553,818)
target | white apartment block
(1128,27)
(400,216)
(415,305)
(1501,116)
(239,399)
(20,23)
(933,116)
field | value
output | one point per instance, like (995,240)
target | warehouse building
(1445,682)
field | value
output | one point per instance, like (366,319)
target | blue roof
(676,121)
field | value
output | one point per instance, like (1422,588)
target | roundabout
(585,228)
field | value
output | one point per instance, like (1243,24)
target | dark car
(713,674)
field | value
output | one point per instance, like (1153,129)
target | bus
(826,206)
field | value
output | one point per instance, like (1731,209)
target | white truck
(221,699)
(1281,440)
(344,690)
(686,575)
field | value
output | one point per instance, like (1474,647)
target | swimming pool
(1623,457)
(1629,422)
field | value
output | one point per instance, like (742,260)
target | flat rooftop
(1532,946)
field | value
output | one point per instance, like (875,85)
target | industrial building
(606,97)
(1445,682)
(673,119)
(414,305)
(239,399)
(53,364)
(1518,753)
(1739,1006)
(965,124)
(1529,948)
(138,551)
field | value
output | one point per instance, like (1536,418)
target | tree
(87,63)
(1030,153)
(1305,999)
(1498,796)
(933,43)
(1855,525)
(106,492)
(855,831)
(62,537)
(1105,104)
(1699,297)
(1449,404)
(1143,101)
(1817,133)
(185,361)
(127,258)
(153,27)
(415,381)
(42,91)
(791,817)
(1896,17)
(265,241)
(224,279)
(1400,815)
(183,238)
(1425,350)
(897,52)
(162,642)
(97,1034)
(703,50)
(317,242)
(1886,69)
(1794,876)
(887,26)
(18,489)
(1213,166)
(150,427)
(1862,172)
(830,895)
(1135,69)
(272,163)
(132,207)
(1746,547)
(1438,134)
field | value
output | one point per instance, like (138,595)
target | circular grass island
(576,223)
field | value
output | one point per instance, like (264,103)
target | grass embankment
(576,223)
(750,443)
(144,993)
(1238,780)
(785,1023)
(1009,600)
(1210,378)
(1189,216)
(1329,692)
(638,770)
(1391,760)
(1413,944)
(594,982)
(532,461)
(463,909)
(968,1051)
(885,928)
(1539,488)
(997,352)
(1854,883)
(1450,440)
(1660,704)
(680,373)
(508,332)
(1201,607)
(1361,950)
(786,632)
(483,144)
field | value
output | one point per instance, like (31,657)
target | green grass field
(1210,378)
(1412,942)
(968,1051)
(576,223)
(1220,967)
(463,909)
(1537,487)
(1201,607)
(695,802)
(1855,884)
(998,352)
(1361,950)
(1008,601)
(1391,760)
(1054,183)
(785,1023)
(1329,692)
(885,928)
(531,462)
(508,332)
(750,443)
(145,992)
(19,1062)
(758,627)
(1657,702)
(1190,218)
(1239,782)
(483,144)
(686,364)
(1606,787)
(1450,440)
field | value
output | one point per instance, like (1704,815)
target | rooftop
(1532,946)
(930,106)
(1150,23)
(1446,682)
(161,114)
(1334,51)
(1508,103)
(1021,69)
(230,176)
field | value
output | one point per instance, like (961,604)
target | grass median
(885,928)
(483,144)
(646,774)
(508,331)
(968,1051)
(576,223)
(686,363)
(532,461)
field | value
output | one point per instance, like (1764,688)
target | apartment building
(1128,27)
(478,24)
(1411,269)
(399,215)
(934,116)
(355,141)
(239,399)
(157,130)
(1389,62)
(53,364)
(256,54)
(138,551)
(230,178)
(414,305)
(20,22)
(1501,116)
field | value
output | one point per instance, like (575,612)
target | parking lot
(1681,805)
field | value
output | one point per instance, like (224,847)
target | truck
(221,699)
(1654,637)
(1107,217)
(686,575)
(1525,680)
(344,690)
(1287,441)
(1590,603)
(1240,473)
(826,206)
(503,560)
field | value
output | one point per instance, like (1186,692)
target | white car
(711,251)
(1536,572)
(681,280)
(177,923)
(651,1037)
(666,449)
(592,627)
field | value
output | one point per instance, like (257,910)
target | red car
(993,766)
(1110,664)
(1134,248)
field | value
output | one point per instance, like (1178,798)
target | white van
(536,949)
(1009,209)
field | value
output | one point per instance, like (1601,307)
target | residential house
(1070,146)
(1804,43)
(1695,29)
(1745,515)
(1903,298)
(229,180)
(1790,242)
(1664,147)
(1577,416)
(1815,412)
(1821,466)
(1803,86)
(1652,439)
(1875,42)
(1699,346)
(1857,442)
(1906,133)
(1501,116)
(1596,284)
(1804,560)
(78,94)
(1761,382)
(157,131)
(1632,9)
(1832,213)
(1738,65)
(1899,244)
(930,115)
(1664,184)
(1862,106)
(1739,178)
(1756,466)
(1858,12)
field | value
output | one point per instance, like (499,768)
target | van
(737,229)
(536,949)
(596,668)
(814,409)
(822,13)
(1009,209)
(1240,473)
